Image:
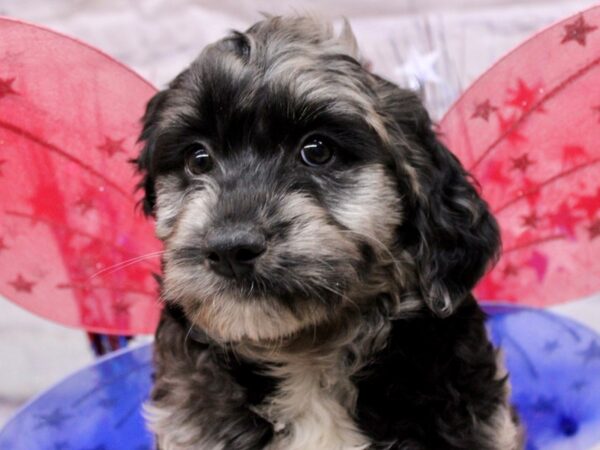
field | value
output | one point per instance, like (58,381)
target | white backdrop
(437,46)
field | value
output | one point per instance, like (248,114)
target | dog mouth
(248,308)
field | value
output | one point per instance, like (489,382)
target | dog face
(289,184)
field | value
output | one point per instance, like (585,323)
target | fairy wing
(69,120)
(529,132)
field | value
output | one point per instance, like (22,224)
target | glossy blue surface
(96,408)
(554,365)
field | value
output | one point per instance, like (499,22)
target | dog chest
(311,411)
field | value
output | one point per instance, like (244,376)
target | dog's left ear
(448,228)
(144,162)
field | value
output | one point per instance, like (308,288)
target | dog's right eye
(197,160)
(316,151)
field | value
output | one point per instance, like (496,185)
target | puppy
(320,248)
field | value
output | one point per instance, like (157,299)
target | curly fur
(356,328)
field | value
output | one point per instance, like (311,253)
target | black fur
(432,379)
(449,228)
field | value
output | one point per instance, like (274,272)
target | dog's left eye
(315,151)
(197,159)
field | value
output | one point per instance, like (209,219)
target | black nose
(232,253)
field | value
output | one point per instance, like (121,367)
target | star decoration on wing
(121,308)
(590,204)
(509,128)
(84,204)
(594,229)
(523,96)
(21,284)
(577,31)
(85,201)
(531,190)
(510,270)
(483,110)
(539,263)
(521,163)
(112,146)
(6,87)
(530,220)
(419,69)
(495,171)
(563,220)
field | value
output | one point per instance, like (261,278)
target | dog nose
(234,253)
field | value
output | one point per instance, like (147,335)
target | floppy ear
(448,227)
(144,161)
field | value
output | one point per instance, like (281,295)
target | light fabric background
(436,46)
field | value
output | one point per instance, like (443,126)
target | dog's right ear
(145,161)
(448,229)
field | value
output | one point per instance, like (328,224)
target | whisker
(127,263)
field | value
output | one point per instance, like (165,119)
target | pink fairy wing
(69,120)
(529,132)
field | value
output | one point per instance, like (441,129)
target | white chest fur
(312,410)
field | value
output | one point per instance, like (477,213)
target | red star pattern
(530,188)
(21,284)
(577,31)
(112,146)
(521,163)
(483,110)
(510,270)
(563,220)
(495,172)
(523,97)
(539,263)
(510,130)
(2,162)
(6,87)
(121,308)
(589,203)
(594,229)
(85,202)
(530,220)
